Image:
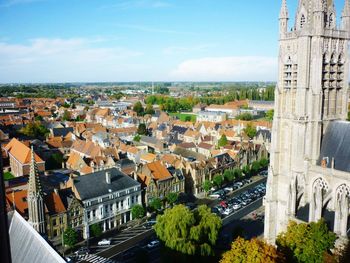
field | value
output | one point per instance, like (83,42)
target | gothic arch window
(331,20)
(302,21)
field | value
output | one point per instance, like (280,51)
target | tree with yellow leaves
(251,251)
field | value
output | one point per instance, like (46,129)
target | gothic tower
(35,198)
(312,90)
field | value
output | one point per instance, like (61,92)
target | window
(302,21)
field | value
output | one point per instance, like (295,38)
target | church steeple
(345,18)
(35,198)
(284,17)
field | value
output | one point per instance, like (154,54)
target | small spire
(34,180)
(284,10)
(346,10)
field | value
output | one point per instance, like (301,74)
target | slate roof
(336,144)
(27,245)
(95,185)
(57,132)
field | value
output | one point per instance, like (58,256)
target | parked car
(229,188)
(153,244)
(228,211)
(214,195)
(104,242)
(82,251)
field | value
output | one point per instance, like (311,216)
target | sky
(139,40)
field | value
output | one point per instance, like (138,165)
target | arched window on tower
(302,21)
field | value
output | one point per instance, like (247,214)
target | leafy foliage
(251,251)
(137,138)
(34,129)
(269,115)
(237,172)
(137,211)
(189,232)
(306,242)
(250,130)
(138,108)
(207,185)
(264,163)
(229,175)
(70,237)
(222,141)
(149,109)
(155,204)
(95,230)
(246,116)
(218,180)
(172,198)
(54,162)
(142,130)
(66,116)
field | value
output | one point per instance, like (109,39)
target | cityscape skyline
(138,40)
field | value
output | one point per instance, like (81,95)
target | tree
(155,204)
(137,138)
(38,118)
(142,130)
(207,186)
(237,172)
(229,175)
(70,237)
(264,163)
(137,211)
(251,251)
(138,108)
(54,162)
(222,141)
(95,230)
(172,198)
(306,242)
(149,109)
(218,180)
(189,232)
(250,130)
(34,129)
(269,115)
(188,118)
(255,167)
(66,115)
(244,116)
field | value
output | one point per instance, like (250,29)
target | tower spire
(35,198)
(284,17)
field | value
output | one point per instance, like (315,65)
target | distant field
(8,176)
(185,116)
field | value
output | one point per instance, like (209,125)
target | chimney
(108,177)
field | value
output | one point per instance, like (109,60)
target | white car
(214,195)
(228,188)
(153,244)
(236,206)
(228,211)
(104,242)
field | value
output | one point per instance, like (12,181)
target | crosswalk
(94,259)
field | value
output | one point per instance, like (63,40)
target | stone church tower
(311,93)
(35,198)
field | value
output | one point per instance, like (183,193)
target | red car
(223,204)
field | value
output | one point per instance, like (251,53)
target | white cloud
(50,60)
(243,68)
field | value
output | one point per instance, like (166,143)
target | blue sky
(139,40)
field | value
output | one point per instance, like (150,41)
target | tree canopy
(306,242)
(250,130)
(142,130)
(189,232)
(218,180)
(95,230)
(155,204)
(246,116)
(70,237)
(222,141)
(34,129)
(207,185)
(137,211)
(138,108)
(251,251)
(229,175)
(269,115)
(172,198)
(149,109)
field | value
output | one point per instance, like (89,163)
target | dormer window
(302,21)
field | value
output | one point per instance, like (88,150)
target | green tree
(70,237)
(255,167)
(142,130)
(149,109)
(188,118)
(66,115)
(34,129)
(244,116)
(269,115)
(207,186)
(189,232)
(155,204)
(137,138)
(251,251)
(237,172)
(138,108)
(38,118)
(306,242)
(172,198)
(137,211)
(250,130)
(229,175)
(218,180)
(95,230)
(264,163)
(54,162)
(222,141)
